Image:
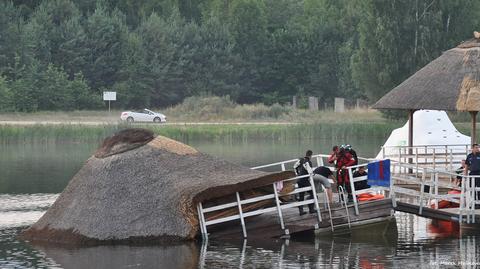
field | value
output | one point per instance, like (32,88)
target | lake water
(32,176)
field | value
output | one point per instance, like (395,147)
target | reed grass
(210,132)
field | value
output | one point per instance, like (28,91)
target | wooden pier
(268,225)
(276,215)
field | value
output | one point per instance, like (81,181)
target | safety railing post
(352,188)
(283,167)
(425,154)
(416,162)
(314,192)
(240,212)
(436,189)
(462,200)
(392,189)
(474,197)
(201,219)
(434,159)
(279,209)
(446,157)
(400,159)
(422,186)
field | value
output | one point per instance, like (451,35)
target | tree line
(62,54)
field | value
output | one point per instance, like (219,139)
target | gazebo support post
(473,133)
(410,137)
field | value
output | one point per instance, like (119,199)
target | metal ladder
(343,201)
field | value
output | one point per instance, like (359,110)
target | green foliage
(159,52)
(6,96)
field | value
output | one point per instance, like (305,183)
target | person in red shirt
(344,160)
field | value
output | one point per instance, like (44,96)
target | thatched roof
(144,192)
(450,82)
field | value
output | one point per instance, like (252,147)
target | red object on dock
(447,204)
(369,197)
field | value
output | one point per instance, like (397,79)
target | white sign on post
(109,96)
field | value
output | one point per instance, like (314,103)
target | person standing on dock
(344,160)
(473,165)
(303,167)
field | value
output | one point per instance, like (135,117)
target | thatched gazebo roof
(450,82)
(139,187)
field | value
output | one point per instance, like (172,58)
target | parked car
(144,115)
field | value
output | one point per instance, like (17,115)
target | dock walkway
(271,215)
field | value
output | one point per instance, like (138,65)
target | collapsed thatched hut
(450,82)
(139,187)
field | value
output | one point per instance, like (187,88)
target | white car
(144,115)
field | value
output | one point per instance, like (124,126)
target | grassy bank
(216,132)
(208,109)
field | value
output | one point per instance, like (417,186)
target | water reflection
(182,256)
(373,247)
(345,251)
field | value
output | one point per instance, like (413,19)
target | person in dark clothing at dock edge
(360,185)
(473,165)
(303,167)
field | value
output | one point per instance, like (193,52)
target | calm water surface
(32,176)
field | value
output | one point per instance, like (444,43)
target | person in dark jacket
(303,167)
(473,165)
(360,185)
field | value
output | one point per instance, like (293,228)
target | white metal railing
(355,192)
(431,177)
(445,157)
(279,206)
(319,161)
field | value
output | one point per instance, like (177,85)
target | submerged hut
(141,187)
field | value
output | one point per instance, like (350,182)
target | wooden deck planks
(268,225)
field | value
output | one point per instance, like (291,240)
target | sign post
(109,96)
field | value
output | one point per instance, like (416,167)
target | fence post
(314,192)
(446,156)
(436,190)
(201,219)
(240,212)
(416,162)
(392,189)
(279,209)
(352,188)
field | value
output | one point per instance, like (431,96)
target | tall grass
(221,109)
(41,133)
(214,132)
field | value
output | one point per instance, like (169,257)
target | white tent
(430,127)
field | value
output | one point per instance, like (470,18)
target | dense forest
(62,54)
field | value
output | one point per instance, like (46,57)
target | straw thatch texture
(450,82)
(147,193)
